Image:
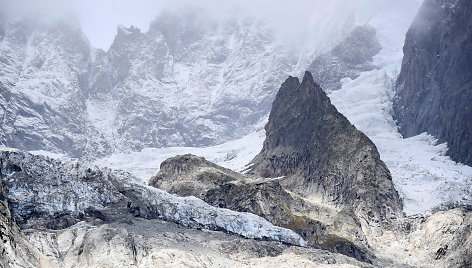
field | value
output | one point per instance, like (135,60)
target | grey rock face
(323,156)
(176,84)
(43,77)
(447,235)
(348,59)
(434,88)
(439,240)
(135,242)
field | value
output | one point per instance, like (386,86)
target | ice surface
(50,187)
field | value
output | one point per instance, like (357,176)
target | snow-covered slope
(425,178)
(189,81)
(145,164)
(42,72)
(422,174)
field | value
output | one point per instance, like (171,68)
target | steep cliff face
(324,157)
(43,84)
(188,81)
(14,250)
(434,88)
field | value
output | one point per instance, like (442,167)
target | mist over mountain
(192,79)
(235,134)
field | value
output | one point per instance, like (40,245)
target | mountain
(43,77)
(434,88)
(322,179)
(337,195)
(189,80)
(324,157)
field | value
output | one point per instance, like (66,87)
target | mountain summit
(323,156)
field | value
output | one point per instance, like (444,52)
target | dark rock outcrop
(348,59)
(434,88)
(190,175)
(324,157)
(321,226)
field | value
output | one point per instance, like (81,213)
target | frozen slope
(423,175)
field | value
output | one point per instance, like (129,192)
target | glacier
(40,188)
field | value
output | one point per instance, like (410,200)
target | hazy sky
(99,18)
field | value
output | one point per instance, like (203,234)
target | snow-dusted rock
(189,80)
(348,59)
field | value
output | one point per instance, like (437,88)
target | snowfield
(145,164)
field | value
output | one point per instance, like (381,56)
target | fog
(99,18)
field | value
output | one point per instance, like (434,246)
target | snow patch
(146,163)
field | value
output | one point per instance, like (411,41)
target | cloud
(295,18)
(43,9)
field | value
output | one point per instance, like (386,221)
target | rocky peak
(125,36)
(323,156)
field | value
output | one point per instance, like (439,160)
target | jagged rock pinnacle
(322,155)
